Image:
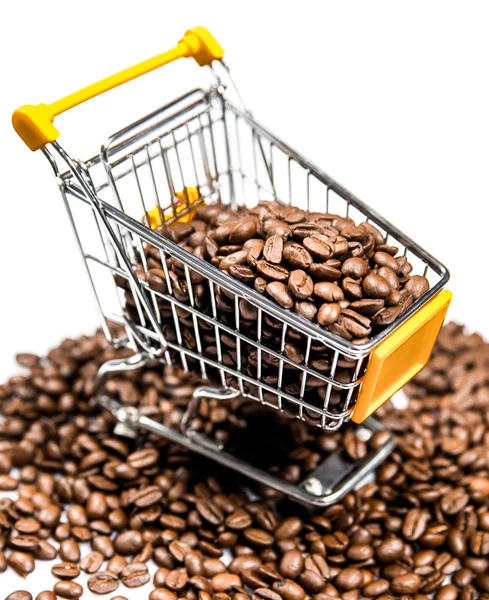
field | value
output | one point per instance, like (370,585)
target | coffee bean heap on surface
(107,506)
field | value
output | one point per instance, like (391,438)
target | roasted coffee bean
(415,523)
(135,575)
(289,590)
(161,593)
(297,256)
(103,582)
(389,551)
(349,579)
(19,595)
(279,292)
(406,584)
(454,501)
(376,286)
(92,562)
(273,249)
(272,272)
(355,267)
(417,285)
(115,565)
(328,313)
(142,459)
(300,284)
(21,562)
(68,589)
(328,291)
(224,582)
(65,570)
(69,551)
(291,564)
(128,542)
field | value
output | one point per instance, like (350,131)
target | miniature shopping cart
(201,150)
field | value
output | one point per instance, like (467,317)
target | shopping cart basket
(201,150)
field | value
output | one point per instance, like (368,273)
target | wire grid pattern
(192,314)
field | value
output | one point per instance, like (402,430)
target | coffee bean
(297,256)
(479,543)
(128,542)
(328,291)
(103,582)
(355,267)
(349,579)
(243,231)
(328,313)
(300,284)
(258,537)
(142,459)
(272,251)
(8,483)
(289,590)
(272,272)
(417,285)
(415,523)
(68,589)
(291,564)
(279,292)
(319,245)
(46,595)
(406,584)
(135,575)
(162,594)
(21,562)
(376,286)
(376,588)
(225,581)
(65,570)
(389,551)
(92,562)
(454,501)
(115,565)
(69,551)
(104,545)
(19,595)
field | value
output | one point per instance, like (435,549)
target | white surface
(390,98)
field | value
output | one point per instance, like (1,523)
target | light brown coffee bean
(279,292)
(21,562)
(135,575)
(328,291)
(376,286)
(92,562)
(272,272)
(297,256)
(417,285)
(104,582)
(65,570)
(300,284)
(68,589)
(272,251)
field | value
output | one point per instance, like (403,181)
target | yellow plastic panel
(193,195)
(397,359)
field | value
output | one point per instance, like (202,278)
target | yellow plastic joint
(186,198)
(202,46)
(34,124)
(398,358)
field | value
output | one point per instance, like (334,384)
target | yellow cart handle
(34,124)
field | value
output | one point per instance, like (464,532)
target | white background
(390,98)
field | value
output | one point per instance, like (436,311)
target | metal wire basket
(200,150)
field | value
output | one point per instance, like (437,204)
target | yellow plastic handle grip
(34,124)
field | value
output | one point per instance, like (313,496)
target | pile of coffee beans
(341,276)
(110,508)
